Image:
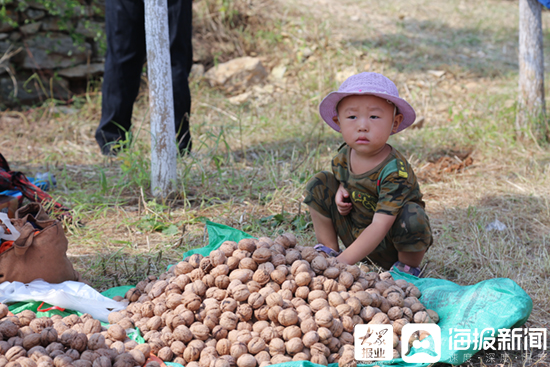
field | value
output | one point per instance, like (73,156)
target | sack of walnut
(264,301)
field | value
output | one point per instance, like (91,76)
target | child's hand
(343,201)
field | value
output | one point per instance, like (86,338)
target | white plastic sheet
(71,295)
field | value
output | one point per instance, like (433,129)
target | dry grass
(252,161)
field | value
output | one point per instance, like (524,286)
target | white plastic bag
(14,232)
(71,295)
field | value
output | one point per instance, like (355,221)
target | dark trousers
(126,52)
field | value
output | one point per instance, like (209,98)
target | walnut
(324,318)
(222,281)
(268,334)
(221,269)
(54,346)
(82,363)
(278,276)
(165,354)
(319,264)
(277,258)
(416,307)
(256,345)
(89,355)
(217,257)
(22,332)
(413,291)
(191,301)
(292,256)
(308,325)
(132,294)
(195,260)
(31,340)
(433,315)
(15,340)
(144,348)
(96,341)
(79,342)
(233,262)
(223,347)
(71,320)
(276,346)
(338,327)
(200,331)
(36,352)
(118,346)
(346,279)
(273,313)
(74,354)
(3,310)
(138,356)
(15,352)
(288,317)
(228,304)
(67,336)
(228,320)
(228,247)
(422,317)
(219,332)
(244,275)
(280,358)
(261,255)
(292,332)
(240,293)
(261,276)
(8,329)
(247,244)
(237,350)
(398,325)
(25,317)
(310,338)
(244,312)
(380,318)
(102,361)
(116,332)
(246,360)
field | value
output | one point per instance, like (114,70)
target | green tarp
(494,303)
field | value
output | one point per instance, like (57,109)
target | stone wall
(49,45)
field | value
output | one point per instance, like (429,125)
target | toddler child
(371,200)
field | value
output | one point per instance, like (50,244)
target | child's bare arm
(368,240)
(342,200)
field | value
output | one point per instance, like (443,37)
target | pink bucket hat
(373,84)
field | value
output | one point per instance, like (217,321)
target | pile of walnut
(262,302)
(28,341)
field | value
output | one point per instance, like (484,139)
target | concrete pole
(161,100)
(531,106)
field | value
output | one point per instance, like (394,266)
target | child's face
(366,123)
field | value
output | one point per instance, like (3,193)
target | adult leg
(125,28)
(181,55)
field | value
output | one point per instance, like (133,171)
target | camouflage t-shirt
(396,189)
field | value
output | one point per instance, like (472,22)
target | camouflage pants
(410,232)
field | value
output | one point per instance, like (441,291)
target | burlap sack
(40,252)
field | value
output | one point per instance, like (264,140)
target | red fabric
(10,180)
(6,245)
(40,309)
